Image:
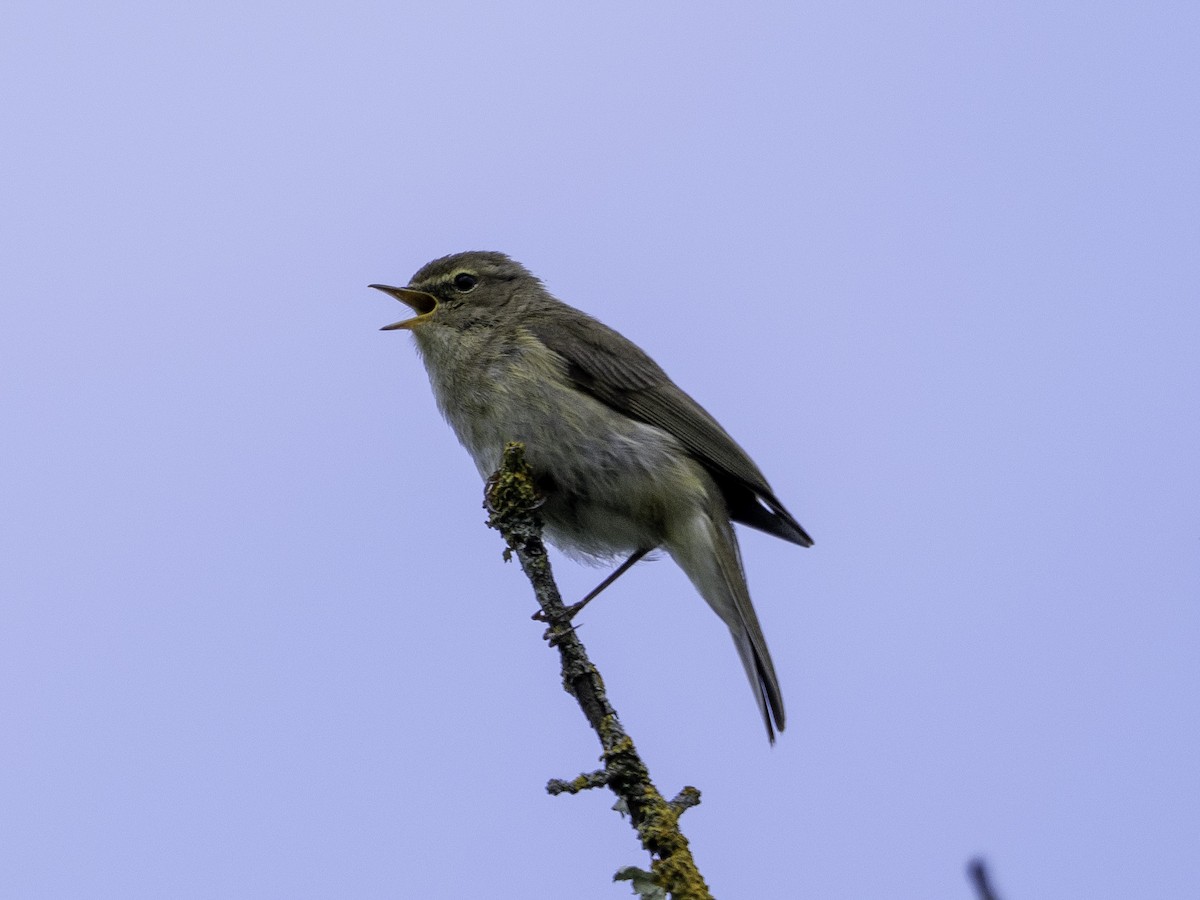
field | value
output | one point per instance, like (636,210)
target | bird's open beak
(421,303)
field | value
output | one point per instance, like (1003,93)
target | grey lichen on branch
(512,502)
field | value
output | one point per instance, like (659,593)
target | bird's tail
(707,550)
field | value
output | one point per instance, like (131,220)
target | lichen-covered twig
(512,502)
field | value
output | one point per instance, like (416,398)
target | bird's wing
(617,372)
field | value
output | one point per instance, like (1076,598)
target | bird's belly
(616,490)
(612,484)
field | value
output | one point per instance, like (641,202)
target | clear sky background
(935,265)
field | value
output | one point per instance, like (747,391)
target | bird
(627,463)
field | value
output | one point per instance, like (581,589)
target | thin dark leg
(617,573)
(575,609)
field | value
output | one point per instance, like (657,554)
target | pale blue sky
(935,265)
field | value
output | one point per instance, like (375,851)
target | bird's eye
(464,283)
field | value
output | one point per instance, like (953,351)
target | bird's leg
(575,608)
(617,573)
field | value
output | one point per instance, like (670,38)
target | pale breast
(612,483)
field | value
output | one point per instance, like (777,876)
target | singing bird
(626,461)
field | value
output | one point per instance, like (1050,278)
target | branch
(513,501)
(977,870)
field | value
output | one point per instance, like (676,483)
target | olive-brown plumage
(626,460)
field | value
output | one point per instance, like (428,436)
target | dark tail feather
(709,554)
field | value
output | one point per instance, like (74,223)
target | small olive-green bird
(627,462)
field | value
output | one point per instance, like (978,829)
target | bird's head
(463,290)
